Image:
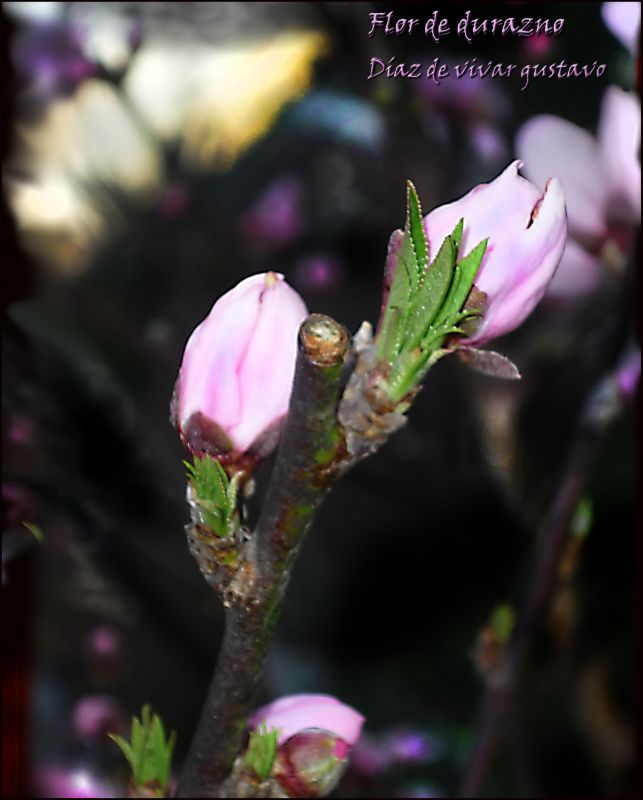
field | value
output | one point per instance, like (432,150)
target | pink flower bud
(300,712)
(526,232)
(236,377)
(316,733)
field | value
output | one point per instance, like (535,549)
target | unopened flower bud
(234,385)
(526,233)
(316,734)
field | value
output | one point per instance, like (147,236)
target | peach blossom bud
(234,385)
(316,733)
(526,233)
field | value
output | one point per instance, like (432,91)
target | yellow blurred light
(56,221)
(213,101)
(85,145)
(220,101)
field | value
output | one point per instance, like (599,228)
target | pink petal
(619,139)
(301,712)
(534,262)
(266,372)
(239,362)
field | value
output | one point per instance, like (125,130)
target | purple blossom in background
(104,641)
(601,178)
(377,754)
(409,746)
(320,272)
(50,59)
(538,46)
(629,372)
(624,21)
(276,218)
(97,715)
(489,143)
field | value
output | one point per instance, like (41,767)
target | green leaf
(457,236)
(465,272)
(431,293)
(411,261)
(416,228)
(215,494)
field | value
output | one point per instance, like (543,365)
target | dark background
(414,548)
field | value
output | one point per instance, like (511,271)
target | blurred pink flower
(54,781)
(303,712)
(374,755)
(526,233)
(95,716)
(236,377)
(601,178)
(488,142)
(624,21)
(629,372)
(319,273)
(538,46)
(104,641)
(276,217)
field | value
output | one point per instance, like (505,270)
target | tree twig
(309,459)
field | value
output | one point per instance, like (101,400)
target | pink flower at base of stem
(300,712)
(526,234)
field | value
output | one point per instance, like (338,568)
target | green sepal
(261,751)
(465,273)
(431,292)
(215,494)
(149,751)
(411,263)
(457,236)
(416,228)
